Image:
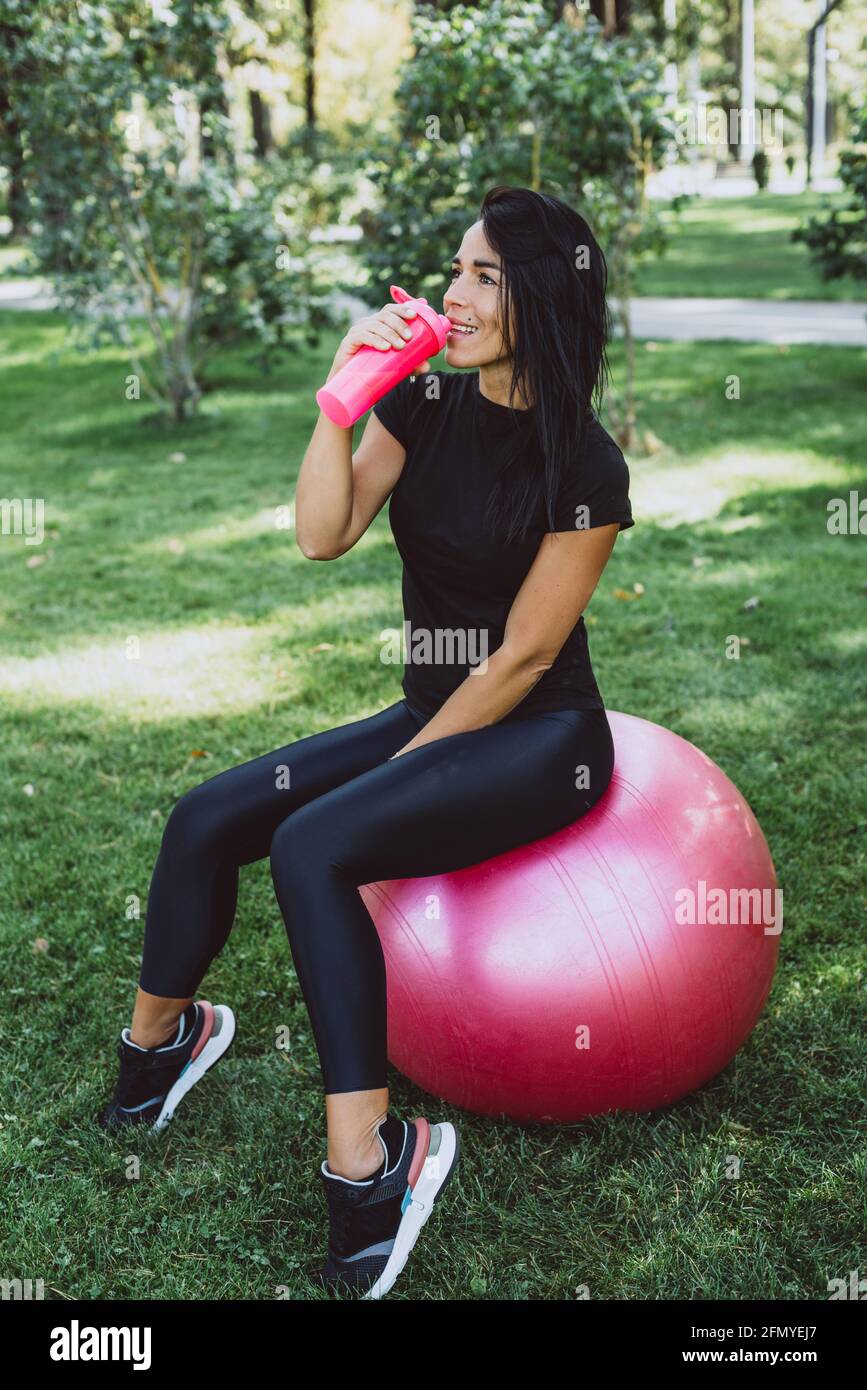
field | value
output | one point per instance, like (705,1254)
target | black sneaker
(375,1223)
(153,1080)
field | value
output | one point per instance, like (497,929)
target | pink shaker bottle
(370,372)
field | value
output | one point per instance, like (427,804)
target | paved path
(842,324)
(25,294)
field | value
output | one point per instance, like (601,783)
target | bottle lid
(438,323)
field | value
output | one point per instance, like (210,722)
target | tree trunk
(261,118)
(536,161)
(217,104)
(621,404)
(628,426)
(747,86)
(15,170)
(613,15)
(310,65)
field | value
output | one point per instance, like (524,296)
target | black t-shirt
(459,579)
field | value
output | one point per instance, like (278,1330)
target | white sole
(218,1042)
(438,1168)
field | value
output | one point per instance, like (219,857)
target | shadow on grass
(131,584)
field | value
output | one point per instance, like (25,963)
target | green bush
(838,240)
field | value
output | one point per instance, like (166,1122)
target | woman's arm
(339,493)
(557,589)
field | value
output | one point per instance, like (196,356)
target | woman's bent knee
(301,843)
(196,823)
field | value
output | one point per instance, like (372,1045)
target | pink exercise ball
(576,975)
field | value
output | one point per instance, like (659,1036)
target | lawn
(168,535)
(741,248)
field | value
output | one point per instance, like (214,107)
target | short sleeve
(393,411)
(596,493)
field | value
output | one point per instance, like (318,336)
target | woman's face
(471,299)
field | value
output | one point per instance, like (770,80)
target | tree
(138,205)
(15,26)
(506,95)
(838,240)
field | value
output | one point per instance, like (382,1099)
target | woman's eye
(482,276)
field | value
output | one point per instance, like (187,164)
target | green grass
(741,248)
(231,621)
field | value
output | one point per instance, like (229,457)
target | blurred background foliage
(233,169)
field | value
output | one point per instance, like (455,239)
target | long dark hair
(553,289)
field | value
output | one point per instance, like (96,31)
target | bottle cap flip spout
(437,321)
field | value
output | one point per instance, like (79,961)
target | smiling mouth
(462,331)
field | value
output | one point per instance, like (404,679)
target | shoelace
(134,1061)
(130,1061)
(342,1206)
(132,1066)
(340,1214)
(343,1225)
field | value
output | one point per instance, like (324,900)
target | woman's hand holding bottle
(383,330)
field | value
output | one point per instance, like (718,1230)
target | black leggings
(333,813)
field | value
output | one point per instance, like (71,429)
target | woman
(506,499)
